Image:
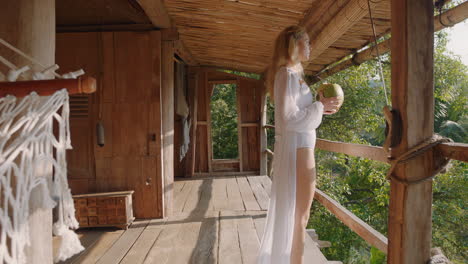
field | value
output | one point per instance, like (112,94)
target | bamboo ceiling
(239,34)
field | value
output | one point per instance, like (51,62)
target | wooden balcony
(216,220)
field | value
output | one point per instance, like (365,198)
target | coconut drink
(331,90)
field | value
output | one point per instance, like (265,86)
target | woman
(296,118)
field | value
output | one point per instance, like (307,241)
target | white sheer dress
(296,118)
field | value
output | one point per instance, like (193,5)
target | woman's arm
(294,119)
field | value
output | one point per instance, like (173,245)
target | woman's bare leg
(305,189)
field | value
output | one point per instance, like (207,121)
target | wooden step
(322,244)
(312,234)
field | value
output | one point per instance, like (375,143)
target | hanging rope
(377,50)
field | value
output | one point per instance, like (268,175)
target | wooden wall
(127,66)
(249,106)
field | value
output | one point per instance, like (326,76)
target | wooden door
(136,130)
(127,67)
(75,51)
(249,97)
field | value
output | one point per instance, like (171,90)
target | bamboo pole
(451,17)
(344,20)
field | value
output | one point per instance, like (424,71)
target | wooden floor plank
(120,248)
(101,246)
(186,241)
(206,248)
(248,197)
(194,197)
(87,239)
(219,221)
(206,200)
(266,182)
(234,196)
(248,239)
(259,218)
(229,247)
(166,241)
(178,186)
(142,246)
(220,197)
(259,192)
(181,198)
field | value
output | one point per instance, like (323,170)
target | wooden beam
(225,161)
(158,15)
(118,27)
(224,173)
(365,231)
(184,53)
(81,85)
(249,124)
(227,66)
(410,210)
(350,14)
(457,151)
(357,150)
(314,15)
(222,82)
(169,34)
(450,17)
(156,12)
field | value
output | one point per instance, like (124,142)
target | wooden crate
(104,209)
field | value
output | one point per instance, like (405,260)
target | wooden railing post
(410,216)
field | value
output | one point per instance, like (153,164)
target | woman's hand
(330,104)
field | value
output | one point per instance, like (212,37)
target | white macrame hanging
(28,146)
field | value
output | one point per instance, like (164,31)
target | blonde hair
(285,51)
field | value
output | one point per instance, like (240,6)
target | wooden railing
(456,151)
(365,231)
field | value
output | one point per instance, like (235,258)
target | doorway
(224,127)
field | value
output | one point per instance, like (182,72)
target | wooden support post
(263,135)
(410,216)
(193,106)
(30,26)
(239,126)
(167,101)
(209,91)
